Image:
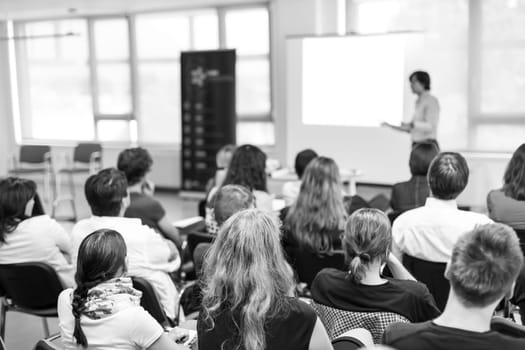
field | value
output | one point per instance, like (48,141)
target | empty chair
(432,274)
(151,303)
(87,159)
(31,288)
(35,159)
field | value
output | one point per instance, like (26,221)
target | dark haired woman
(24,238)
(247,168)
(104,311)
(507,205)
(414,192)
(362,289)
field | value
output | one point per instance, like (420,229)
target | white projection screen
(353,81)
(340,89)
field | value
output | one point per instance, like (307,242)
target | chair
(507,327)
(337,321)
(521,236)
(195,238)
(2,344)
(346,343)
(87,158)
(35,159)
(48,343)
(432,274)
(307,264)
(150,302)
(31,288)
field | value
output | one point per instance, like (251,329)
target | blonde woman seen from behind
(248,298)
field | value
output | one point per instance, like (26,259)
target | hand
(179,335)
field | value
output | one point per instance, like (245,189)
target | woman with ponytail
(248,301)
(362,289)
(104,311)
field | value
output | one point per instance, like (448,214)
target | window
(119,75)
(55,74)
(247,30)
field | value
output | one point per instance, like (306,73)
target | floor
(23,331)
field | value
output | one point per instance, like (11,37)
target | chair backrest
(195,238)
(87,152)
(51,343)
(337,321)
(521,236)
(347,343)
(31,285)
(507,327)
(150,302)
(307,264)
(2,344)
(34,154)
(432,274)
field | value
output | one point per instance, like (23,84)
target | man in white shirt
(150,256)
(430,232)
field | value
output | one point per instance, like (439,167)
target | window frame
(135,114)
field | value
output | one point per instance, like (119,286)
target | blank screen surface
(353,81)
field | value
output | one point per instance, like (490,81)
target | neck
(457,315)
(372,275)
(136,188)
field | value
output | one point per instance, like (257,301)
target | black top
(410,194)
(430,336)
(290,330)
(146,208)
(410,299)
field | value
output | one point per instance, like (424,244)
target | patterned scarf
(110,297)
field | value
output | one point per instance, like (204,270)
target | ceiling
(32,9)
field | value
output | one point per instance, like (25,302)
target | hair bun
(364,257)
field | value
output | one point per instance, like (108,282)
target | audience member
(248,291)
(103,311)
(291,188)
(363,290)
(150,256)
(430,232)
(26,238)
(136,163)
(222,160)
(507,205)
(315,220)
(413,193)
(229,200)
(247,168)
(482,269)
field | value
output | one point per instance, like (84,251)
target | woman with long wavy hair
(315,220)
(507,204)
(248,298)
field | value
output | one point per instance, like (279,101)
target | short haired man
(136,163)
(482,270)
(291,188)
(231,199)
(150,256)
(228,200)
(430,232)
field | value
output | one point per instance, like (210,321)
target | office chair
(150,302)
